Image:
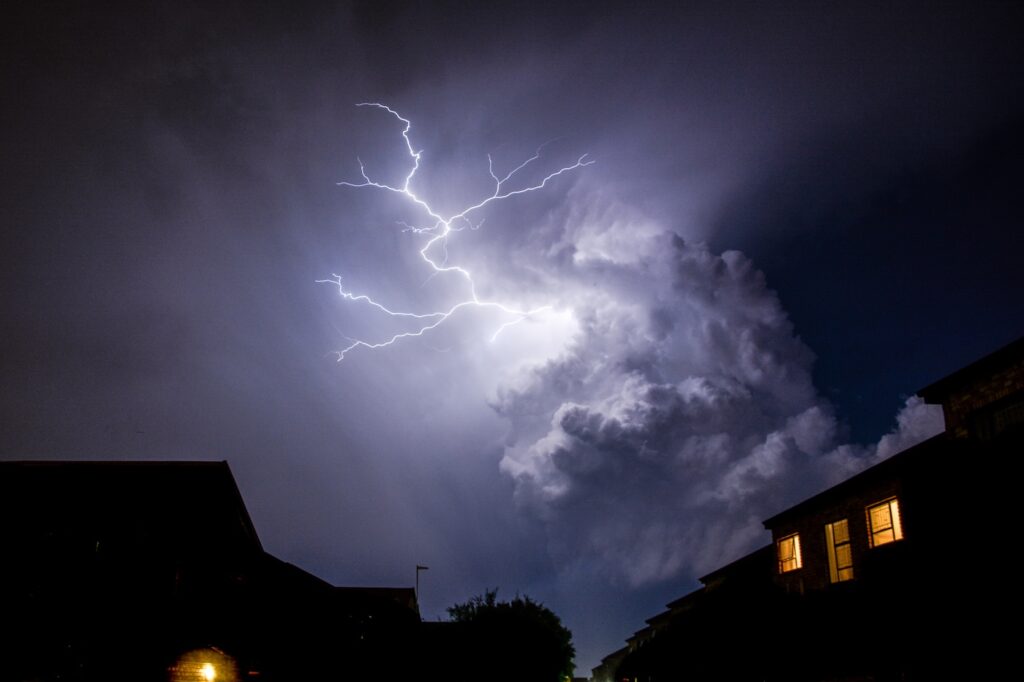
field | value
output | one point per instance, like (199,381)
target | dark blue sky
(798,216)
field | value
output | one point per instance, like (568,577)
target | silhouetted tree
(519,640)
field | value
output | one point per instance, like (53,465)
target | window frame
(837,572)
(895,526)
(794,561)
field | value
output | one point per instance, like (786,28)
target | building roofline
(732,565)
(119,463)
(690,596)
(937,441)
(220,466)
(935,392)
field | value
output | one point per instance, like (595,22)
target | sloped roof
(937,392)
(887,467)
(181,504)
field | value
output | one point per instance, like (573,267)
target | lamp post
(418,569)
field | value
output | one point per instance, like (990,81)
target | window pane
(840,558)
(843,557)
(841,531)
(884,524)
(789,553)
(880,518)
(897,526)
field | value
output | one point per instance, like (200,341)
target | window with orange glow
(884,525)
(840,559)
(789,553)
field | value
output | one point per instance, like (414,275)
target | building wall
(961,403)
(814,574)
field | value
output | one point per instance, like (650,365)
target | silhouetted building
(984,400)
(699,631)
(896,573)
(153,570)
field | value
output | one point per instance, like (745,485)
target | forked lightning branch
(437,230)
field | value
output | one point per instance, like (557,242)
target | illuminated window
(840,560)
(789,553)
(884,523)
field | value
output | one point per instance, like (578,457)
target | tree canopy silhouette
(513,640)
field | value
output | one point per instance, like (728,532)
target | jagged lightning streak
(439,232)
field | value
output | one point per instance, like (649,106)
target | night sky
(797,217)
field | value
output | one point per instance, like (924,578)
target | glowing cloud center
(435,250)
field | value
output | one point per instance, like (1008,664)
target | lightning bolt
(435,249)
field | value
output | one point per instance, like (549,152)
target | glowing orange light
(884,524)
(204,665)
(789,554)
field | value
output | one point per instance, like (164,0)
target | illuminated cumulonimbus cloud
(682,413)
(434,252)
